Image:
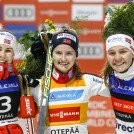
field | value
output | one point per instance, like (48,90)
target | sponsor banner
(76,113)
(65,95)
(100,116)
(64,114)
(127,117)
(91,51)
(92,31)
(18,1)
(19,12)
(122,105)
(98,1)
(87,31)
(56,12)
(20,29)
(91,35)
(124,128)
(119,0)
(65,130)
(53,0)
(93,12)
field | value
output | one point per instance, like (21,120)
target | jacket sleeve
(95,85)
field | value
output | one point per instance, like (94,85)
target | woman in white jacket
(70,89)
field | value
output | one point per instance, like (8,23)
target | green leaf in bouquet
(109,10)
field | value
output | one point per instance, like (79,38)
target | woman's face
(120,58)
(64,58)
(6,54)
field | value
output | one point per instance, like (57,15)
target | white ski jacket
(68,101)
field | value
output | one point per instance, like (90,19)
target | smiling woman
(119,77)
(64,58)
(7,46)
(120,58)
(7,43)
(118,71)
(9,86)
(6,54)
(120,52)
(65,51)
(70,89)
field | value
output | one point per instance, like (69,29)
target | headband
(7,38)
(120,40)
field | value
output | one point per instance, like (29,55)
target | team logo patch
(52,97)
(9,68)
(70,75)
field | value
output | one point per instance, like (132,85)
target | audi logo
(91,51)
(19,12)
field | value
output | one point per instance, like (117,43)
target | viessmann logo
(19,12)
(64,114)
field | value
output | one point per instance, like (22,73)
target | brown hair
(77,68)
(107,71)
